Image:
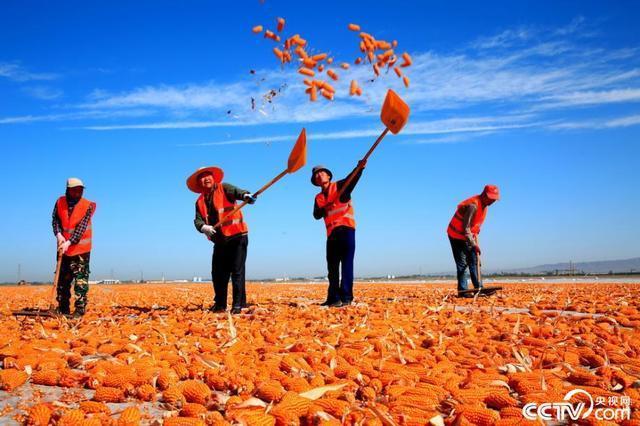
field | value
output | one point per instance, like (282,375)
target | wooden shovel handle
(56,277)
(255,194)
(365,158)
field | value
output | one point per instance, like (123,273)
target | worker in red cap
(216,201)
(463,233)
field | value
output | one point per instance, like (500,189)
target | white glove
(208,230)
(65,246)
(249,198)
(60,238)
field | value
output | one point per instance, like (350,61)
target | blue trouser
(465,256)
(341,247)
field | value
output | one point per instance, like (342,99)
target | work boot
(236,310)
(63,310)
(466,295)
(337,304)
(325,303)
(78,313)
(216,309)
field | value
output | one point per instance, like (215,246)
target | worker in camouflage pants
(71,221)
(74,268)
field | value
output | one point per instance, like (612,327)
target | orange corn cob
(327,94)
(46,377)
(38,415)
(71,418)
(11,379)
(130,417)
(306,71)
(108,394)
(407,60)
(94,407)
(196,391)
(192,409)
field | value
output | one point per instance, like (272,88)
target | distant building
(109,281)
(197,279)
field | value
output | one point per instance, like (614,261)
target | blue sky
(539,98)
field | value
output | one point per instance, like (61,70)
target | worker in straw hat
(71,221)
(339,220)
(463,233)
(216,201)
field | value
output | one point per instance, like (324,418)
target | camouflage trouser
(73,268)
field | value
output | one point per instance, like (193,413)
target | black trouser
(341,248)
(465,257)
(228,260)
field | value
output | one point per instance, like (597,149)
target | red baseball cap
(492,192)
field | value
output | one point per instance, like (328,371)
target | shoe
(347,303)
(325,303)
(337,304)
(78,313)
(466,295)
(217,309)
(63,311)
(236,310)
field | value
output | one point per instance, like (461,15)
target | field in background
(403,354)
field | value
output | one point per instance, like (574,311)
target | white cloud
(506,38)
(594,97)
(16,72)
(541,70)
(597,124)
(43,92)
(78,115)
(446,127)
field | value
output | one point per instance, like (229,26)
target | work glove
(476,248)
(208,230)
(249,198)
(60,238)
(65,246)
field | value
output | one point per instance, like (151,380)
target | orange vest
(456,226)
(338,213)
(69,222)
(233,224)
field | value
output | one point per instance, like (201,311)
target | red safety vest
(233,224)
(70,221)
(456,227)
(338,213)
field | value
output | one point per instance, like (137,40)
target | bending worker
(71,221)
(230,239)
(463,233)
(341,230)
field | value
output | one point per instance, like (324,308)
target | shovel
(297,160)
(394,115)
(50,312)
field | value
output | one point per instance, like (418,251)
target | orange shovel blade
(395,112)
(298,156)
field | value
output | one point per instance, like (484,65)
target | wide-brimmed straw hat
(193,183)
